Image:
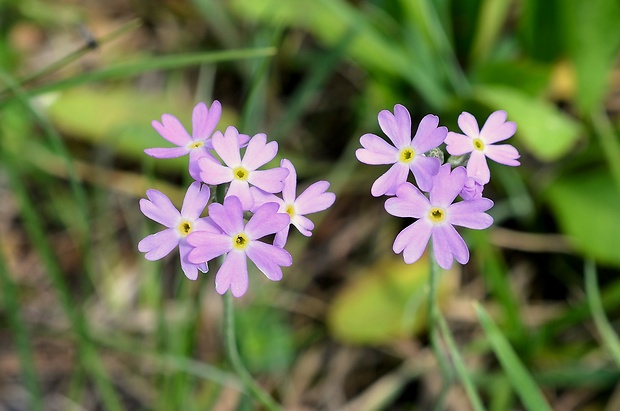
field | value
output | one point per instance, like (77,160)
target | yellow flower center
(196,144)
(184,227)
(437,214)
(478,144)
(290,210)
(406,155)
(241,173)
(240,241)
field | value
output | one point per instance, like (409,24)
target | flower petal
(195,201)
(205,120)
(227,146)
(376,151)
(268,258)
(159,208)
(259,152)
(303,224)
(409,202)
(397,126)
(212,172)
(468,124)
(458,144)
(233,274)
(207,246)
(270,180)
(413,240)
(424,169)
(478,168)
(496,128)
(158,245)
(289,191)
(261,197)
(241,190)
(390,180)
(314,199)
(266,220)
(190,269)
(448,244)
(447,185)
(503,154)
(172,130)
(228,216)
(171,152)
(471,214)
(428,135)
(281,237)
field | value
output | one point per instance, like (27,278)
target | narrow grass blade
(610,338)
(520,378)
(21,335)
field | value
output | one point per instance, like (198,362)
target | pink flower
(240,242)
(481,143)
(472,189)
(240,173)
(436,216)
(314,199)
(159,208)
(406,153)
(204,121)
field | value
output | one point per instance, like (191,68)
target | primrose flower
(314,199)
(159,208)
(240,242)
(436,216)
(240,173)
(481,143)
(204,121)
(406,153)
(472,189)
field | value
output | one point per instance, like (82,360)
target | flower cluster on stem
(431,200)
(215,159)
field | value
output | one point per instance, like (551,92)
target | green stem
(435,340)
(436,319)
(233,355)
(608,335)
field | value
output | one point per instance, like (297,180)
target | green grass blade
(521,380)
(124,70)
(21,335)
(610,338)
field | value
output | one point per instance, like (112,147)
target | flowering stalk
(252,387)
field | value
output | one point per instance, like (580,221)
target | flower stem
(436,319)
(252,387)
(435,340)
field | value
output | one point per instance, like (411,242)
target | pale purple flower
(240,242)
(406,153)
(436,216)
(315,198)
(472,189)
(204,121)
(240,173)
(481,144)
(159,208)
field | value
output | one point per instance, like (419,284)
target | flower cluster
(432,202)
(215,159)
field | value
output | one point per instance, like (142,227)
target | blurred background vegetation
(86,323)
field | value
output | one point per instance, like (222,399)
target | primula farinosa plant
(250,191)
(432,200)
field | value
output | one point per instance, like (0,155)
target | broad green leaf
(120,118)
(593,39)
(544,130)
(586,207)
(386,302)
